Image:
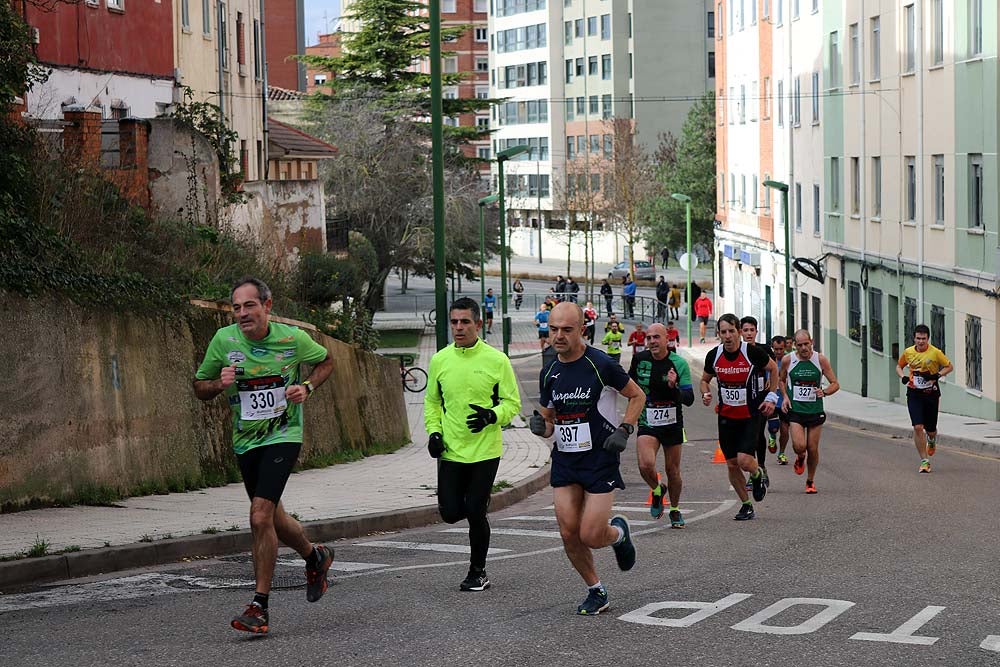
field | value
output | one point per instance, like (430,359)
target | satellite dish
(685,258)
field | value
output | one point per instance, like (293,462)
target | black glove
(616,441)
(435,445)
(480,418)
(905,379)
(934,376)
(536,424)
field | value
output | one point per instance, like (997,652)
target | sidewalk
(379,493)
(555,266)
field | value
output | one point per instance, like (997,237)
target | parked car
(643,270)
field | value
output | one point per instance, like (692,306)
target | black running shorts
(266,469)
(666,436)
(923,408)
(597,471)
(739,436)
(805,419)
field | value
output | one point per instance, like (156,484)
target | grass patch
(501,485)
(327,459)
(402,338)
(73,548)
(39,548)
(232,528)
(211,530)
(6,559)
(146,538)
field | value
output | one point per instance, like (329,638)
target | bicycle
(413,378)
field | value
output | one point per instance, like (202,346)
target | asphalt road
(907,558)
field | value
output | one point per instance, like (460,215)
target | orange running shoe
(810,487)
(253,619)
(800,464)
(931,446)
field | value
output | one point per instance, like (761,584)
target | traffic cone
(719,456)
(649,501)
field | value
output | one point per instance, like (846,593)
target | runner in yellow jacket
(471,394)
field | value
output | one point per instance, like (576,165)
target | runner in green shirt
(255,363)
(800,381)
(613,339)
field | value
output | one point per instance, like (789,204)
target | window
(711,64)
(911,189)
(732,191)
(877,187)
(480,6)
(742,15)
(781,104)
(581,106)
(855,54)
(568,33)
(223,36)
(594,108)
(855,186)
(765,9)
(578,27)
(937,327)
(815,97)
(579,67)
(798,207)
(483,122)
(569,111)
(973,352)
(753,12)
(570,148)
(592,65)
(206,17)
(595,182)
(732,16)
(875,318)
(482,63)
(608,146)
(448,6)
(909,40)
(569,70)
(732,105)
(482,92)
(938,189)
(256,51)
(241,59)
(976,191)
(118,5)
(595,143)
(319,79)
(629,65)
(937,32)
(743,191)
(722,191)
(483,152)
(743,104)
(797,109)
(481,35)
(909,316)
(803,311)
(876,57)
(606,107)
(817,330)
(591,26)
(779,12)
(815,6)
(835,184)
(605,26)
(606,66)
(753,192)
(450,65)
(854,311)
(816,210)
(185,15)
(975,27)
(834,60)
(795,9)
(711,25)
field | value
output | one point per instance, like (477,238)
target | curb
(28,571)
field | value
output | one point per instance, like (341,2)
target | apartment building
(285,38)
(889,170)
(566,70)
(328,46)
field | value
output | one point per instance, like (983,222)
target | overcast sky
(315,23)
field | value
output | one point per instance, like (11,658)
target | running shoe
(931,446)
(253,619)
(782,459)
(811,487)
(772,444)
(745,513)
(759,490)
(476,580)
(676,519)
(767,480)
(316,583)
(656,507)
(800,464)
(596,602)
(624,550)
(925,466)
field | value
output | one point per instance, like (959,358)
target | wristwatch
(628,428)
(309,387)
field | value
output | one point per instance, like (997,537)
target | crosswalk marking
(634,522)
(521,532)
(426,546)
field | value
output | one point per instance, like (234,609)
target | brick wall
(82,145)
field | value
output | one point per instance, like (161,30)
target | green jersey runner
(804,377)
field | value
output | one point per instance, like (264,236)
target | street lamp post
(437,173)
(687,218)
(482,246)
(502,157)
(789,299)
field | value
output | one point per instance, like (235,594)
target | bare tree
(633,181)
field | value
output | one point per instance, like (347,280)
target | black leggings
(464,493)
(762,443)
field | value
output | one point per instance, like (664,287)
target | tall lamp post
(491,199)
(437,173)
(687,219)
(502,157)
(789,300)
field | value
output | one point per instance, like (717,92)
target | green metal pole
(504,323)
(690,306)
(789,297)
(437,171)
(482,257)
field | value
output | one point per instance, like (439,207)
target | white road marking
(904,633)
(338,565)
(521,532)
(124,588)
(831,610)
(644,615)
(425,546)
(634,522)
(991,643)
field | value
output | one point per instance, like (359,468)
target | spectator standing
(674,301)
(662,298)
(572,289)
(608,295)
(628,294)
